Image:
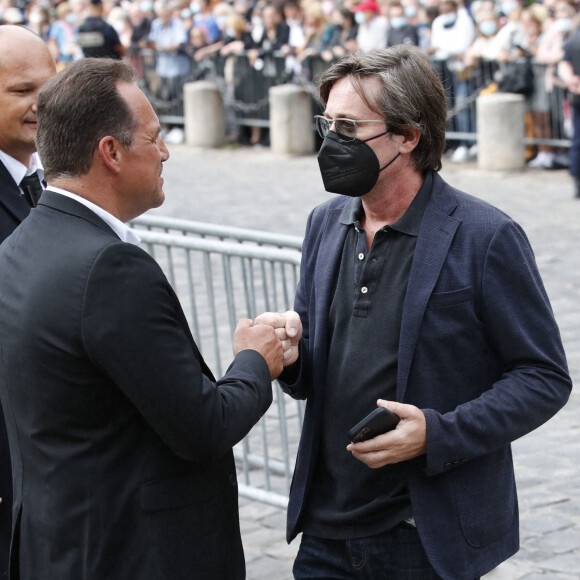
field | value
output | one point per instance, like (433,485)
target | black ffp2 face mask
(349,167)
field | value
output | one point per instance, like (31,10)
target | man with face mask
(423,300)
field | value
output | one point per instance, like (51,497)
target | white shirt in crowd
(453,40)
(372,34)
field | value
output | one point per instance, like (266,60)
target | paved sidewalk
(256,189)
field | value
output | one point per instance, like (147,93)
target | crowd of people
(457,35)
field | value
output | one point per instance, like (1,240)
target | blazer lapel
(11,198)
(436,233)
(330,248)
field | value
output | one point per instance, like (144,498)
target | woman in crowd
(62,39)
(343,37)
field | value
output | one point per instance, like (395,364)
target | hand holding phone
(379,421)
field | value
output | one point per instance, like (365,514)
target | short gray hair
(412,95)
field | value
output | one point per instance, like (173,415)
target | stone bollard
(291,122)
(501,131)
(204,115)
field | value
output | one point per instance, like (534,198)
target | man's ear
(111,152)
(411,138)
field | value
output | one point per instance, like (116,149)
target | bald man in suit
(25,65)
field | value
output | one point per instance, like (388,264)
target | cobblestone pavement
(256,189)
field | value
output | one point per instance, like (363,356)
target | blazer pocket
(179,491)
(440,299)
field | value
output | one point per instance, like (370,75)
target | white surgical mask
(359,17)
(35,18)
(563,24)
(507,7)
(488,27)
(448,19)
(398,22)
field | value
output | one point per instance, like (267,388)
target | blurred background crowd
(250,45)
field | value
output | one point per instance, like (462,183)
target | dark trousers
(394,555)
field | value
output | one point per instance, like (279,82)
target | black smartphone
(379,421)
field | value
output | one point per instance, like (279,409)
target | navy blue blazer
(479,352)
(13,209)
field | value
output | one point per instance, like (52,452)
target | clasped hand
(275,336)
(288,329)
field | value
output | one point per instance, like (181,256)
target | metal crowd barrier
(245,92)
(222,274)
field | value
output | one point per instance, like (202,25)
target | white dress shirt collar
(18,170)
(125,233)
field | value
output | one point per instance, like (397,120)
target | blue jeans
(393,555)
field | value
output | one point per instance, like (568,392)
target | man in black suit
(121,439)
(25,65)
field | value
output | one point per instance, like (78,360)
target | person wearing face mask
(372,27)
(39,21)
(400,30)
(418,298)
(453,31)
(483,48)
(62,36)
(550,52)
(569,72)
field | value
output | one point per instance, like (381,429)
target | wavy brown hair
(412,95)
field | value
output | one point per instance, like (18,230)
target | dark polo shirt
(348,499)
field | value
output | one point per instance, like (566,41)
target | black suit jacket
(120,438)
(13,209)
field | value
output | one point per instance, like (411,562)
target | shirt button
(361,256)
(364,289)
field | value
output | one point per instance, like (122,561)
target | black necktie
(32,189)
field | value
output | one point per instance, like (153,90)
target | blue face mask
(507,7)
(448,19)
(410,11)
(488,27)
(359,18)
(398,22)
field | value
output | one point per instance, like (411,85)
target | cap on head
(367,6)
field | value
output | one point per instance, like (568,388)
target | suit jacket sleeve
(134,331)
(521,329)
